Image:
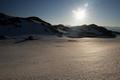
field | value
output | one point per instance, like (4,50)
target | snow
(60,59)
(26,27)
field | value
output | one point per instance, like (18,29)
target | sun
(79,14)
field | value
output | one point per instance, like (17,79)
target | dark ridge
(33,18)
(61,27)
(91,30)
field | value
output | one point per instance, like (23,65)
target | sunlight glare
(79,14)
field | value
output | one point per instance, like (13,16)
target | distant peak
(94,25)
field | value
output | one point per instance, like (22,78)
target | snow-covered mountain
(91,30)
(16,26)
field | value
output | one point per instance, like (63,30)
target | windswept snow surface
(60,59)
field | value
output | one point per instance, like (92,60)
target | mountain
(16,26)
(91,30)
(19,26)
(61,28)
(114,28)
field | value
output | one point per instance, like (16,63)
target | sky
(67,12)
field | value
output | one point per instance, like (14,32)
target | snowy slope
(16,26)
(89,31)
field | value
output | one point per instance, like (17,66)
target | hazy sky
(101,12)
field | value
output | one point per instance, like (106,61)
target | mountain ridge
(16,26)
